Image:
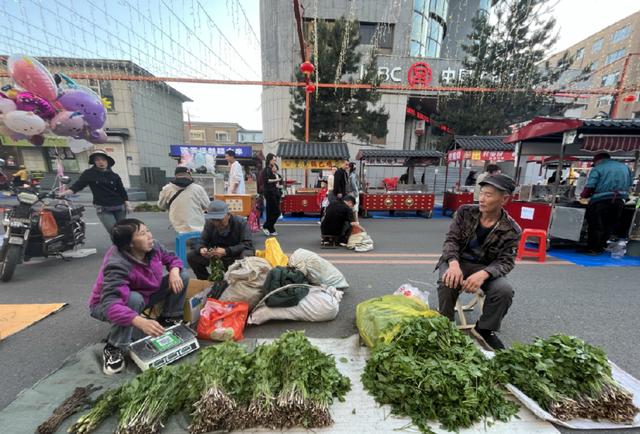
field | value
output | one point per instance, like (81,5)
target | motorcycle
(24,237)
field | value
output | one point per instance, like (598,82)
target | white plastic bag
(317,270)
(408,290)
(360,242)
(246,278)
(320,304)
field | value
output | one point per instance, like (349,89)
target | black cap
(501,182)
(182,169)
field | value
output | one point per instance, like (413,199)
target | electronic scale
(176,342)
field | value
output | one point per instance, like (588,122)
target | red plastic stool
(540,252)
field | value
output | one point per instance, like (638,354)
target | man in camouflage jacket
(478,251)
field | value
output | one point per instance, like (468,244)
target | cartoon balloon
(68,123)
(97,136)
(25,123)
(37,140)
(86,102)
(29,102)
(7,105)
(31,75)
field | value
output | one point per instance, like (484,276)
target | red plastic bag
(222,320)
(48,225)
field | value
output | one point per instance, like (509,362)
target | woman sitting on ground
(131,279)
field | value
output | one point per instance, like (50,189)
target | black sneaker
(490,338)
(167,322)
(112,360)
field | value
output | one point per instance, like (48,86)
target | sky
(203,39)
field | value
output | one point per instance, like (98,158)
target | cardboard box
(195,299)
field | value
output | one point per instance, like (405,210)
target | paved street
(597,304)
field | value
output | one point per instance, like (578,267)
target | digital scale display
(166,341)
(175,343)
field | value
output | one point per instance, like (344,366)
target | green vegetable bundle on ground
(283,384)
(431,371)
(568,378)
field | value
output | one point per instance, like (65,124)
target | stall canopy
(311,155)
(399,157)
(480,148)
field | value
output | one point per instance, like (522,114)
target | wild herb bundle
(567,377)
(432,372)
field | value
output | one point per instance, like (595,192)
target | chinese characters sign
(216,151)
(461,154)
(309,164)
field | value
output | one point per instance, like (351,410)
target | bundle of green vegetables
(431,371)
(567,377)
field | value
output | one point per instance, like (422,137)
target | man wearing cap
(225,236)
(478,252)
(186,202)
(109,196)
(236,174)
(607,188)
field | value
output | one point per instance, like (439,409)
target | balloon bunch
(41,103)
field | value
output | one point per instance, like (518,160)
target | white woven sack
(246,278)
(317,270)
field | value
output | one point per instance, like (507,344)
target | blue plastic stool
(181,245)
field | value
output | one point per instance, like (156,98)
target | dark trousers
(602,220)
(173,307)
(344,234)
(498,292)
(199,263)
(273,211)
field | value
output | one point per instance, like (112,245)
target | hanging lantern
(629,98)
(307,68)
(310,88)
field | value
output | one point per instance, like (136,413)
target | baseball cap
(182,169)
(217,209)
(501,182)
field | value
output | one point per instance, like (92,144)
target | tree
(336,112)
(506,53)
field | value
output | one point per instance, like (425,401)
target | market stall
(472,148)
(405,197)
(300,158)
(555,208)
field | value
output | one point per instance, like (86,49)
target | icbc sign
(420,74)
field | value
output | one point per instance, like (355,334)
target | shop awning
(482,143)
(540,127)
(313,151)
(597,143)
(49,142)
(365,154)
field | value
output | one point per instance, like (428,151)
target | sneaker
(273,234)
(266,232)
(490,338)
(112,360)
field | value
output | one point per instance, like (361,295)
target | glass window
(419,5)
(619,54)
(603,101)
(222,136)
(197,135)
(427,32)
(414,49)
(580,53)
(104,91)
(621,34)
(610,79)
(597,46)
(485,5)
(593,66)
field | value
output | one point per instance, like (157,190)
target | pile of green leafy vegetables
(430,371)
(279,385)
(568,378)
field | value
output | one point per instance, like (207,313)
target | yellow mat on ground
(16,317)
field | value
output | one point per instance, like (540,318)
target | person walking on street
(186,202)
(492,169)
(236,174)
(270,180)
(354,186)
(607,188)
(478,252)
(341,181)
(109,196)
(225,236)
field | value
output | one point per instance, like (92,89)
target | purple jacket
(121,273)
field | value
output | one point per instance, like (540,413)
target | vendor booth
(472,148)
(300,158)
(556,208)
(402,197)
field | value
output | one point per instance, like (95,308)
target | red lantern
(629,98)
(307,68)
(310,88)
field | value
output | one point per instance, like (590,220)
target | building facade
(409,34)
(606,60)
(143,120)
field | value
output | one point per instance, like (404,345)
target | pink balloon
(7,105)
(31,75)
(29,102)
(25,123)
(97,136)
(68,123)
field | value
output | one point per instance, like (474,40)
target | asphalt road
(599,305)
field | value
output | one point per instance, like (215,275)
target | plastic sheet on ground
(358,414)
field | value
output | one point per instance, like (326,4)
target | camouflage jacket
(499,249)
